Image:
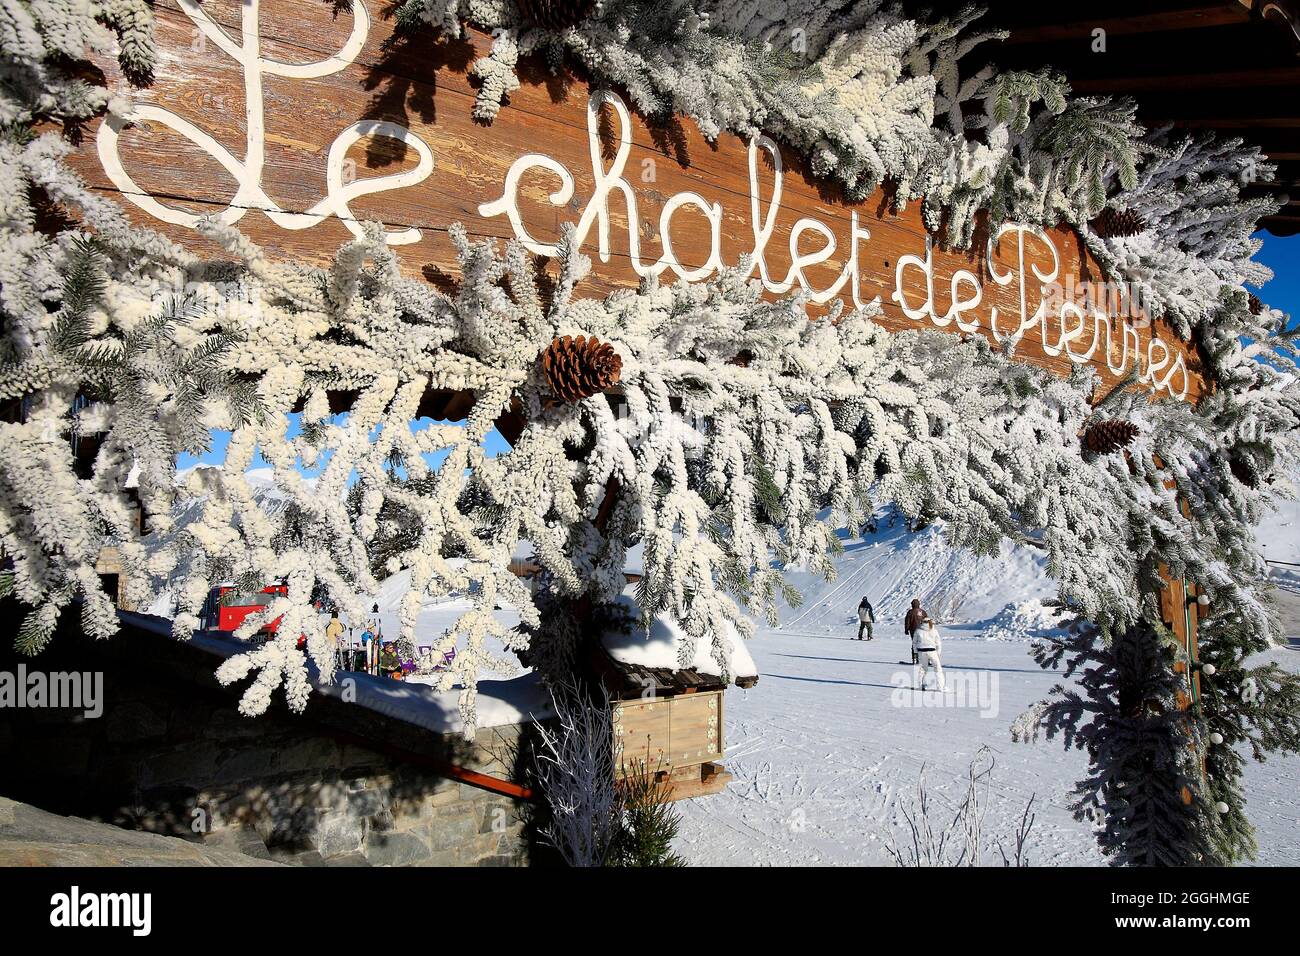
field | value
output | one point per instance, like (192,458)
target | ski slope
(893,566)
(826,753)
(827,750)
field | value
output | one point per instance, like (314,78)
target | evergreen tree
(1145,789)
(649,823)
(1255,709)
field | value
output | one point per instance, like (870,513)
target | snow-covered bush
(576,761)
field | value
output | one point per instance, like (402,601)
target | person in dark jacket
(866,617)
(912,623)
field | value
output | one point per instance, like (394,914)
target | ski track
(825,763)
(893,566)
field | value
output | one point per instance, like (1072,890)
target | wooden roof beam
(1191,17)
(1235,122)
(1170,82)
(1280,225)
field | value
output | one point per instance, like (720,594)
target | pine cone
(556,14)
(1109,436)
(1255,303)
(1111,223)
(579,368)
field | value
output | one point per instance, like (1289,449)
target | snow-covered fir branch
(722,463)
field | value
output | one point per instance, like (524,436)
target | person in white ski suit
(927,647)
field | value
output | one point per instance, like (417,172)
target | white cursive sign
(1063,321)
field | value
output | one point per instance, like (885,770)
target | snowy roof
(657,649)
(499,702)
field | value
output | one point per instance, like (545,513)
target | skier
(926,648)
(912,623)
(866,617)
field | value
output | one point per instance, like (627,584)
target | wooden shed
(669,721)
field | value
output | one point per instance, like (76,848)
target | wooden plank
(695,728)
(643,730)
(424,88)
(1200,80)
(711,779)
(1193,17)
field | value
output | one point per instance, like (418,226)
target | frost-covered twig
(961,840)
(577,761)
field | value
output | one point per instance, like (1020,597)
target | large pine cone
(1111,223)
(1110,435)
(579,368)
(556,14)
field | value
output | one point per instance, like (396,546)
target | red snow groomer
(227,606)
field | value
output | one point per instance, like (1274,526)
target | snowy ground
(823,754)
(827,751)
(824,758)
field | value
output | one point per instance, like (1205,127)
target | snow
(1279,540)
(827,750)
(498,702)
(975,596)
(1020,620)
(658,646)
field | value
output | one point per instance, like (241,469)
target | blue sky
(1283,257)
(494,445)
(1282,292)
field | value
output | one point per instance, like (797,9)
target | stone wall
(32,837)
(338,785)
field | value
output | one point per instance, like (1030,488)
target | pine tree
(649,822)
(1244,708)
(1144,788)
